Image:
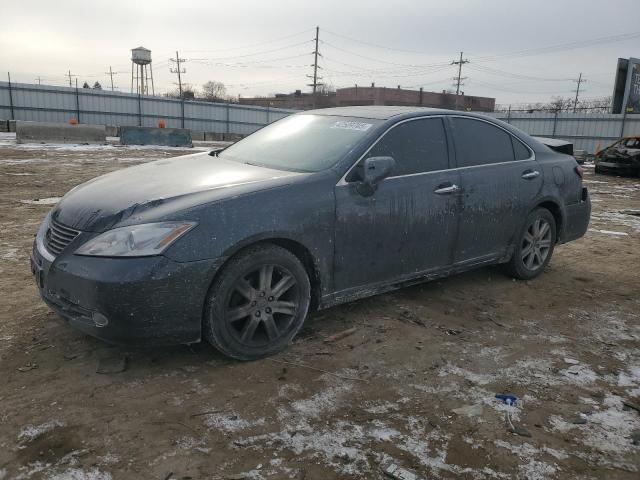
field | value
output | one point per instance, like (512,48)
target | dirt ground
(413,386)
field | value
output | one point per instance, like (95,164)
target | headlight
(136,240)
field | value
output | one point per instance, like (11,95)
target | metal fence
(45,103)
(587,131)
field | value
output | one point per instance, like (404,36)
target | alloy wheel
(262,305)
(536,244)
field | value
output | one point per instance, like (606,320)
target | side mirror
(376,169)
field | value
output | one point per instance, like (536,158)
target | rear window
(520,151)
(481,143)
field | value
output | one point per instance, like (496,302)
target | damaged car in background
(622,157)
(322,207)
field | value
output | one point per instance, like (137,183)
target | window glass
(417,146)
(480,143)
(521,152)
(302,142)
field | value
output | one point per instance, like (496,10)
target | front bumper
(128,301)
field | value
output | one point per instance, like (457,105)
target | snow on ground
(42,201)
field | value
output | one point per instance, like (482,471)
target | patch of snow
(30,432)
(380,407)
(9,254)
(609,232)
(478,378)
(109,459)
(326,401)
(42,201)
(191,443)
(79,474)
(617,218)
(607,430)
(230,422)
(534,469)
(630,378)
(580,374)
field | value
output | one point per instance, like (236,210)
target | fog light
(99,320)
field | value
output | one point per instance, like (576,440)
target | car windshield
(302,142)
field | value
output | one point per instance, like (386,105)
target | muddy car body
(236,246)
(621,157)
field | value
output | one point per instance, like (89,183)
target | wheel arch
(556,210)
(297,248)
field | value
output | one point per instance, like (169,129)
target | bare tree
(188,92)
(213,90)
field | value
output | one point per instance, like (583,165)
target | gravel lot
(414,385)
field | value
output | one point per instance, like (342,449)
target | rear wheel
(258,303)
(534,246)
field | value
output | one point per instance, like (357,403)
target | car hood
(166,185)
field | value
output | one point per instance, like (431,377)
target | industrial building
(373,95)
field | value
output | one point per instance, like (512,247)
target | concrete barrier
(197,135)
(112,130)
(213,136)
(4,125)
(169,137)
(12,125)
(233,137)
(42,132)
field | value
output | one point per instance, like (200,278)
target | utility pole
(69,75)
(579,81)
(459,78)
(315,77)
(110,73)
(178,70)
(38,79)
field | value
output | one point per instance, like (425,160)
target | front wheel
(258,303)
(534,245)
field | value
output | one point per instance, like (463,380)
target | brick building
(344,97)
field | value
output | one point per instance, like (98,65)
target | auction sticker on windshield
(363,127)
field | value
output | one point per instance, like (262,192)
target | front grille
(58,236)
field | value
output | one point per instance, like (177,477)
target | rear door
(409,224)
(500,180)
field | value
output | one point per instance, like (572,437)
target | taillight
(579,171)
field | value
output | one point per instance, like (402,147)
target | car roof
(380,112)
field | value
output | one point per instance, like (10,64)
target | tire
(257,303)
(597,170)
(534,247)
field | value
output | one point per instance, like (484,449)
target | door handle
(530,174)
(442,190)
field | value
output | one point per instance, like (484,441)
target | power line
(375,44)
(502,73)
(255,44)
(378,60)
(256,53)
(562,46)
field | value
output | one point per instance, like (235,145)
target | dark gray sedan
(322,207)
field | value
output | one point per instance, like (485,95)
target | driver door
(409,224)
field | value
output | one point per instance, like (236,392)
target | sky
(519,51)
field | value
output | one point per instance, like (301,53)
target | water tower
(141,63)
